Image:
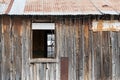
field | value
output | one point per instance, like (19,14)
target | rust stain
(67,6)
(77,35)
(4,28)
(106,26)
(100,25)
(18,26)
(9,7)
(59,6)
(86,32)
(6,23)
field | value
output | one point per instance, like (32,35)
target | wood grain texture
(43,60)
(12,58)
(17,48)
(0,47)
(6,49)
(92,55)
(26,49)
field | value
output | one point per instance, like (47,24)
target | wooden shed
(59,40)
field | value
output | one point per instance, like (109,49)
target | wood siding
(91,55)
(0,48)
(15,48)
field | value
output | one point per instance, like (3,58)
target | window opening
(43,40)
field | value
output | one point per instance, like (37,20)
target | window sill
(43,60)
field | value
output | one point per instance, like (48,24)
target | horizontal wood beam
(43,60)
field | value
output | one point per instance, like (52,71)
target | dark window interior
(43,43)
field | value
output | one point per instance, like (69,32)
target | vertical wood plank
(70,42)
(90,50)
(64,68)
(77,32)
(107,69)
(71,38)
(115,56)
(6,52)
(31,72)
(62,35)
(83,53)
(118,56)
(26,49)
(17,48)
(74,48)
(92,55)
(81,57)
(0,40)
(71,50)
(58,48)
(86,53)
(97,55)
(0,72)
(47,72)
(35,71)
(0,48)
(110,53)
(52,71)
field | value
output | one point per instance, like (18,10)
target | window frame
(43,60)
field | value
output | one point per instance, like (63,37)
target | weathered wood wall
(91,55)
(15,40)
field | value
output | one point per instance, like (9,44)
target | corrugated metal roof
(73,7)
(60,7)
(4,6)
(17,7)
(104,6)
(115,4)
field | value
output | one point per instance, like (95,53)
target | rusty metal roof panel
(4,6)
(115,4)
(104,6)
(17,7)
(87,7)
(60,7)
